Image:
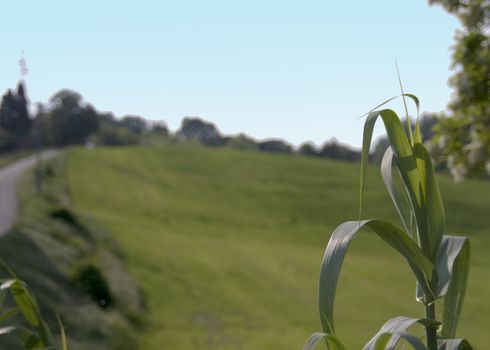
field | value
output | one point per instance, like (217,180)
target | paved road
(9,203)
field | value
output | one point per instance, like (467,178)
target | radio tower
(23,66)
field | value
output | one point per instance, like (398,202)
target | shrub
(88,278)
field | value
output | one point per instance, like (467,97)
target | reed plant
(439,262)
(30,329)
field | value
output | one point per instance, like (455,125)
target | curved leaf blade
(402,150)
(386,337)
(411,96)
(64,344)
(335,252)
(9,313)
(332,342)
(26,337)
(387,176)
(456,249)
(415,99)
(434,214)
(28,307)
(395,329)
(24,300)
(314,339)
(409,127)
(449,251)
(455,344)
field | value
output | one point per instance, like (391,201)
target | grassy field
(49,247)
(226,245)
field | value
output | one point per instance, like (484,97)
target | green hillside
(226,245)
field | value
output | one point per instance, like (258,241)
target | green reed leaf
(455,250)
(335,252)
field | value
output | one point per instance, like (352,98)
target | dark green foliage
(88,278)
(427,122)
(14,119)
(275,145)
(464,136)
(71,120)
(73,268)
(196,129)
(334,150)
(115,135)
(65,215)
(242,141)
(134,123)
(160,128)
(308,149)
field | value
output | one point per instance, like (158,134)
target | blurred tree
(380,146)
(242,141)
(196,129)
(308,149)
(14,117)
(71,120)
(427,124)
(114,135)
(336,150)
(160,128)
(134,123)
(275,145)
(464,136)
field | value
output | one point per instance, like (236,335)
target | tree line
(67,119)
(458,139)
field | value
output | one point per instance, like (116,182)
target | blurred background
(171,172)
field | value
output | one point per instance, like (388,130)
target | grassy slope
(45,250)
(227,244)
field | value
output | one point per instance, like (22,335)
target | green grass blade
(434,209)
(449,251)
(313,340)
(409,127)
(24,300)
(417,138)
(380,105)
(455,344)
(411,96)
(386,337)
(366,145)
(64,344)
(387,176)
(402,150)
(389,334)
(9,313)
(9,270)
(332,342)
(335,252)
(6,330)
(3,295)
(415,99)
(26,337)
(28,307)
(453,300)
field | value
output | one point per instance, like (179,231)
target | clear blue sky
(299,70)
